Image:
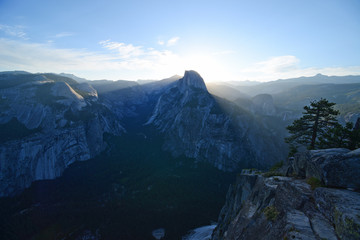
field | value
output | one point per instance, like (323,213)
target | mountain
(262,104)
(72,76)
(224,91)
(194,123)
(159,156)
(345,95)
(282,85)
(211,129)
(47,122)
(276,104)
(103,86)
(130,101)
(128,190)
(172,78)
(241,83)
(176,107)
(60,121)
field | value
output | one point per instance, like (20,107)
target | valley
(120,159)
(126,192)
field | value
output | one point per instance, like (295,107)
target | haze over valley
(193,120)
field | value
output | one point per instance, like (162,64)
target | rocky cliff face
(65,121)
(64,124)
(128,99)
(211,129)
(191,79)
(279,207)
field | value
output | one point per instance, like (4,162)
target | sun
(207,66)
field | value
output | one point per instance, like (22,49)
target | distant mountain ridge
(290,95)
(281,85)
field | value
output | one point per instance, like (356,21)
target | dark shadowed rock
(337,167)
(357,124)
(279,207)
(286,208)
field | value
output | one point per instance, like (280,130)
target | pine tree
(342,136)
(317,119)
(355,136)
(337,137)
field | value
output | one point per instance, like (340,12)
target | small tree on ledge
(316,121)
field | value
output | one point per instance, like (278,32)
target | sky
(154,39)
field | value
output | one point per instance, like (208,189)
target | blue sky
(222,40)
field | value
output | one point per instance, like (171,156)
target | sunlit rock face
(66,95)
(211,129)
(59,126)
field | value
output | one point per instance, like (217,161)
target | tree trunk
(357,125)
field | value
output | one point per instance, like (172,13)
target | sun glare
(206,65)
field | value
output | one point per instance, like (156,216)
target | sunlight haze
(224,41)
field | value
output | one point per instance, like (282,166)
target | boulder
(336,167)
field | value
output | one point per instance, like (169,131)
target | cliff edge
(314,196)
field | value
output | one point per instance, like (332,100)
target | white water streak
(201,233)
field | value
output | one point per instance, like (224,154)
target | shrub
(271,174)
(273,170)
(271,213)
(314,182)
(276,166)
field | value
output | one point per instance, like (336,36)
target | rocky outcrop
(67,96)
(191,79)
(264,104)
(334,167)
(206,128)
(278,207)
(62,123)
(89,91)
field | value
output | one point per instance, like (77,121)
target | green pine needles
(319,128)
